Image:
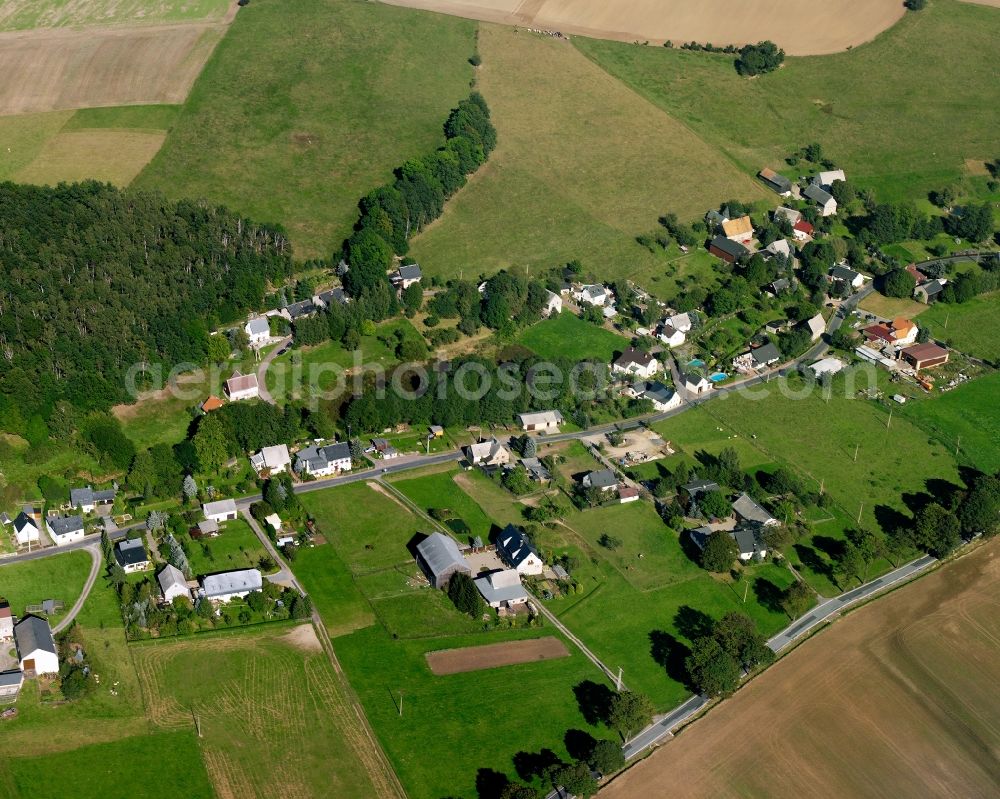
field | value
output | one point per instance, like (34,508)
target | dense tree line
(392,213)
(94,279)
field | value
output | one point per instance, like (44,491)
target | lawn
(583,165)
(275,717)
(237,547)
(883,131)
(570,337)
(439,490)
(55,577)
(891,307)
(969,326)
(27,14)
(332,589)
(967,418)
(96,772)
(321,82)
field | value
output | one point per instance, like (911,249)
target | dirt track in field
(61,69)
(801,27)
(896,699)
(476,658)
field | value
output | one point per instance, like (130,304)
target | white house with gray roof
(65,529)
(517,552)
(749,511)
(258,331)
(36,648)
(502,589)
(226,586)
(540,421)
(274,459)
(222,510)
(825,204)
(323,461)
(87,499)
(172,583)
(25,529)
(603,480)
(10,684)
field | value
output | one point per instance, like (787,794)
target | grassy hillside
(27,14)
(901,114)
(306,106)
(582,166)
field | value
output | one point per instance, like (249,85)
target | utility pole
(401,704)
(856,448)
(859,512)
(618,682)
(889,423)
(746,590)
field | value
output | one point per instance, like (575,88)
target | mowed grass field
(55,577)
(98,771)
(966,419)
(569,336)
(583,165)
(896,699)
(275,718)
(969,326)
(307,106)
(28,14)
(903,133)
(439,490)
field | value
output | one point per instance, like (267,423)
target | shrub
(760,58)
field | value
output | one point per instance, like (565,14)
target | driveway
(265,364)
(95,569)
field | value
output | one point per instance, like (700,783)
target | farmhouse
(695,383)
(604,480)
(728,250)
(552,305)
(517,552)
(226,586)
(87,500)
(594,294)
(25,529)
(802,230)
(65,529)
(827,366)
(844,274)
(536,470)
(635,363)
(929,292)
(749,543)
(784,212)
(131,555)
(273,459)
(900,331)
(540,421)
(816,326)
(699,536)
(439,558)
(258,331)
(739,229)
(502,589)
(671,336)
(406,276)
(824,200)
(749,511)
(487,453)
(172,583)
(779,247)
(242,387)
(779,184)
(222,510)
(36,649)
(765,356)
(681,322)
(299,310)
(663,397)
(6,622)
(322,461)
(10,684)
(925,356)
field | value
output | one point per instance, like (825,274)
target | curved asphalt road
(95,570)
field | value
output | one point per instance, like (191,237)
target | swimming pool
(718,377)
(696,363)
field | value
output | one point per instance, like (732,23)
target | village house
(540,421)
(681,322)
(671,336)
(6,622)
(87,500)
(824,201)
(242,387)
(207,528)
(65,529)
(10,685)
(827,179)
(536,470)
(593,294)
(517,552)
(222,510)
(258,331)
(552,305)
(226,586)
(635,363)
(663,397)
(172,583)
(36,649)
(739,229)
(604,480)
(489,453)
(327,299)
(929,292)
(26,529)
(803,231)
(749,511)
(899,332)
(844,274)
(779,184)
(384,449)
(323,461)
(728,250)
(816,327)
(406,276)
(749,543)
(925,356)
(439,558)
(779,247)
(502,589)
(784,212)
(695,383)
(765,356)
(778,287)
(299,310)
(697,487)
(274,459)
(131,555)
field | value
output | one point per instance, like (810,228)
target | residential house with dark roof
(663,397)
(325,460)
(87,499)
(765,356)
(36,648)
(299,310)
(779,184)
(406,275)
(749,511)
(516,551)
(635,363)
(929,292)
(65,529)
(824,201)
(131,555)
(604,479)
(26,529)
(728,250)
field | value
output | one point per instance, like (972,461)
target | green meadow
(569,336)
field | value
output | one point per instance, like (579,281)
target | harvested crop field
(49,70)
(801,27)
(476,658)
(897,699)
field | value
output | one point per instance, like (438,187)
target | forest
(94,279)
